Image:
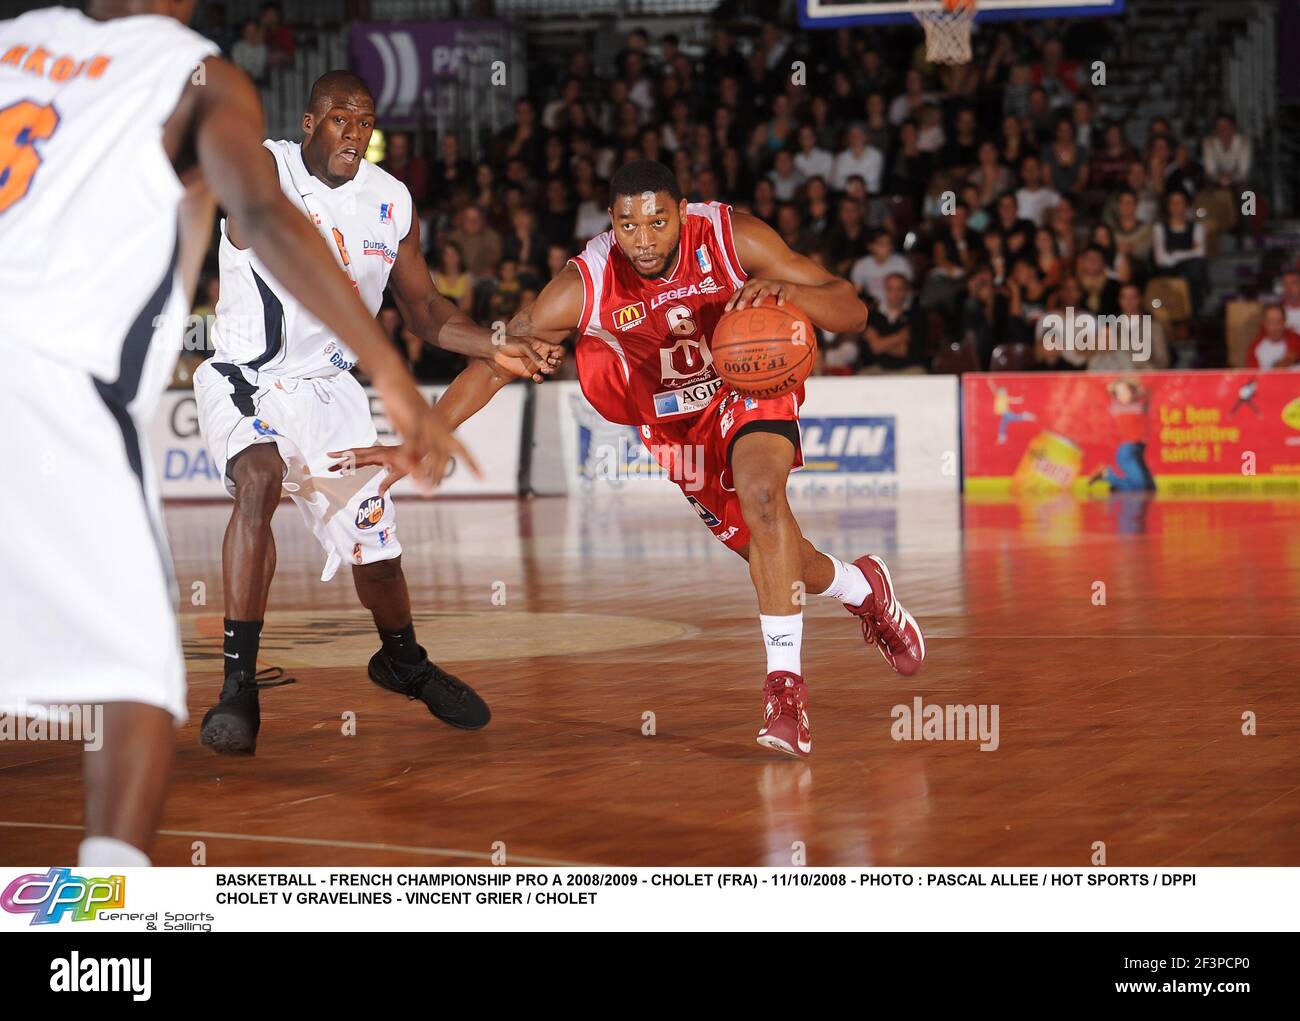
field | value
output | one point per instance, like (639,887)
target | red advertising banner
(1201,431)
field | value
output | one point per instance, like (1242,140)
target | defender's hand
(528,357)
(365,457)
(427,442)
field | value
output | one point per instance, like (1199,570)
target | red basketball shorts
(694,453)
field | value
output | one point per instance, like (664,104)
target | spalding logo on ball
(766,351)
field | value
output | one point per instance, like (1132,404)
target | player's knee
(761,501)
(257,491)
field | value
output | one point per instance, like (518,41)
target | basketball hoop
(947,25)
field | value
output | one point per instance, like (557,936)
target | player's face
(338,135)
(648,227)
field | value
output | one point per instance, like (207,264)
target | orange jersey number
(343,249)
(22,125)
(347,262)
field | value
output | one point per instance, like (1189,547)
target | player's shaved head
(337,125)
(337,88)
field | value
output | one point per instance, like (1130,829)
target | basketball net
(947,33)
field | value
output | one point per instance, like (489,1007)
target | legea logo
(47,898)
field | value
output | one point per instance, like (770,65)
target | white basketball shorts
(306,419)
(87,593)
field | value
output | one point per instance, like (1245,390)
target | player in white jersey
(119,129)
(276,403)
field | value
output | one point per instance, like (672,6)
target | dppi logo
(47,898)
(370,512)
(848,444)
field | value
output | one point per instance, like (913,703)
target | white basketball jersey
(88,197)
(259,325)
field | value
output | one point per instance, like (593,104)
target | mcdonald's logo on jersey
(627,317)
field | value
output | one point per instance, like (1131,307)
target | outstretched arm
(551,318)
(438,322)
(829,301)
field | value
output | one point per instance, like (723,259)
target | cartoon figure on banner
(1246,397)
(1002,402)
(1128,407)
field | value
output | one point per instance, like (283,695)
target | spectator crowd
(965,203)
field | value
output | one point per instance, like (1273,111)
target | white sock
(105,852)
(783,637)
(850,585)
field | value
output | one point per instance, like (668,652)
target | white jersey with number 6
(91,318)
(88,196)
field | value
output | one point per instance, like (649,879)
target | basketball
(764,351)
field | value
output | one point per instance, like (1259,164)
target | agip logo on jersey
(857,443)
(628,316)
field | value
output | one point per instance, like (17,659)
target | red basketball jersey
(643,356)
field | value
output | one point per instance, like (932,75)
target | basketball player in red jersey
(645,297)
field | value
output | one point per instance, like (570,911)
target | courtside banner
(186,472)
(77,901)
(862,437)
(493,436)
(1205,432)
(878,436)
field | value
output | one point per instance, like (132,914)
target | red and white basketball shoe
(885,624)
(785,715)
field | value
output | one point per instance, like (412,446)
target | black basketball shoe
(230,727)
(448,698)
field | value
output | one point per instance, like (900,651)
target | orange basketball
(765,351)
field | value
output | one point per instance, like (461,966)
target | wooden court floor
(1120,708)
